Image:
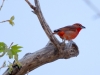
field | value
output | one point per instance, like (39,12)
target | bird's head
(78,25)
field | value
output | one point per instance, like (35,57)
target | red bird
(69,32)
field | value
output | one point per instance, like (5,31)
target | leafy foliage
(3,47)
(13,51)
(10,21)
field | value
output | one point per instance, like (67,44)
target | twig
(4,21)
(2,5)
(11,44)
(3,65)
(32,6)
(44,24)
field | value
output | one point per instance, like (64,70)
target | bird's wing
(68,28)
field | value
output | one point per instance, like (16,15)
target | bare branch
(3,65)
(48,54)
(11,44)
(44,24)
(32,6)
(4,21)
(2,5)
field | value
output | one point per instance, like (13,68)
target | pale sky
(28,33)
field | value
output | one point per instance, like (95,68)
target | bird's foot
(70,43)
(63,43)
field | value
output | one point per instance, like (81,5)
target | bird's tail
(55,31)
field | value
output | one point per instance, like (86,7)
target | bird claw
(63,43)
(70,43)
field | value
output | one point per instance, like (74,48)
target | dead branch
(2,4)
(44,24)
(51,52)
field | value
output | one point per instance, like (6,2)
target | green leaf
(9,53)
(3,47)
(14,51)
(12,18)
(11,22)
(16,57)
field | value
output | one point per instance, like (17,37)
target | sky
(27,32)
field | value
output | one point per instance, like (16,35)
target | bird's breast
(71,35)
(61,34)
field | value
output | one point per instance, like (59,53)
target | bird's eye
(79,25)
(56,30)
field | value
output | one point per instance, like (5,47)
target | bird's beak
(83,27)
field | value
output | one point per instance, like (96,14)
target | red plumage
(69,32)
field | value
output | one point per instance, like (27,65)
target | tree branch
(44,24)
(2,4)
(51,52)
(45,55)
